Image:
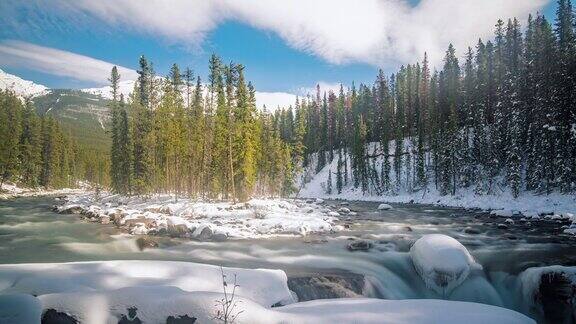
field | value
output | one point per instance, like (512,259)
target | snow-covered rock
(442,262)
(257,218)
(384,207)
(503,213)
(531,279)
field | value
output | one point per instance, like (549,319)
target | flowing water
(319,266)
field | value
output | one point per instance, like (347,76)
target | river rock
(509,221)
(471,230)
(177,230)
(384,207)
(205,234)
(360,246)
(502,226)
(105,220)
(181,319)
(344,210)
(51,316)
(219,237)
(146,243)
(327,286)
(70,209)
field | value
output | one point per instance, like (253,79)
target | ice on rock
(384,207)
(531,279)
(442,262)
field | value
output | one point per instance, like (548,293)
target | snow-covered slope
(21,87)
(126,87)
(503,203)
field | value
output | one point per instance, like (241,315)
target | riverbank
(11,191)
(527,205)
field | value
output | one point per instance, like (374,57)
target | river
(317,266)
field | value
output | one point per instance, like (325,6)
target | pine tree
(142,165)
(329,183)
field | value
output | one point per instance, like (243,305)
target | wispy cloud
(17,54)
(376,32)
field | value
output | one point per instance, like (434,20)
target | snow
(502,203)
(106,291)
(257,218)
(442,262)
(10,190)
(398,311)
(264,286)
(21,87)
(125,88)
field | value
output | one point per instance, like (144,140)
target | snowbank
(442,262)
(204,220)
(266,287)
(9,191)
(157,304)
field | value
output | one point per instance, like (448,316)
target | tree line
(177,135)
(34,150)
(503,118)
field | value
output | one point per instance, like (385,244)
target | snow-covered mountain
(21,87)
(126,87)
(270,100)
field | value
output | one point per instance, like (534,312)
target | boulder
(471,230)
(384,207)
(360,246)
(205,234)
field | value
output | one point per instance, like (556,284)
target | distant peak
(21,87)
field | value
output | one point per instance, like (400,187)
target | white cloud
(17,54)
(376,32)
(273,100)
(324,87)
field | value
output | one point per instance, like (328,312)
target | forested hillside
(501,119)
(85,116)
(35,151)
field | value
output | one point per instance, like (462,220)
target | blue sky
(280,56)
